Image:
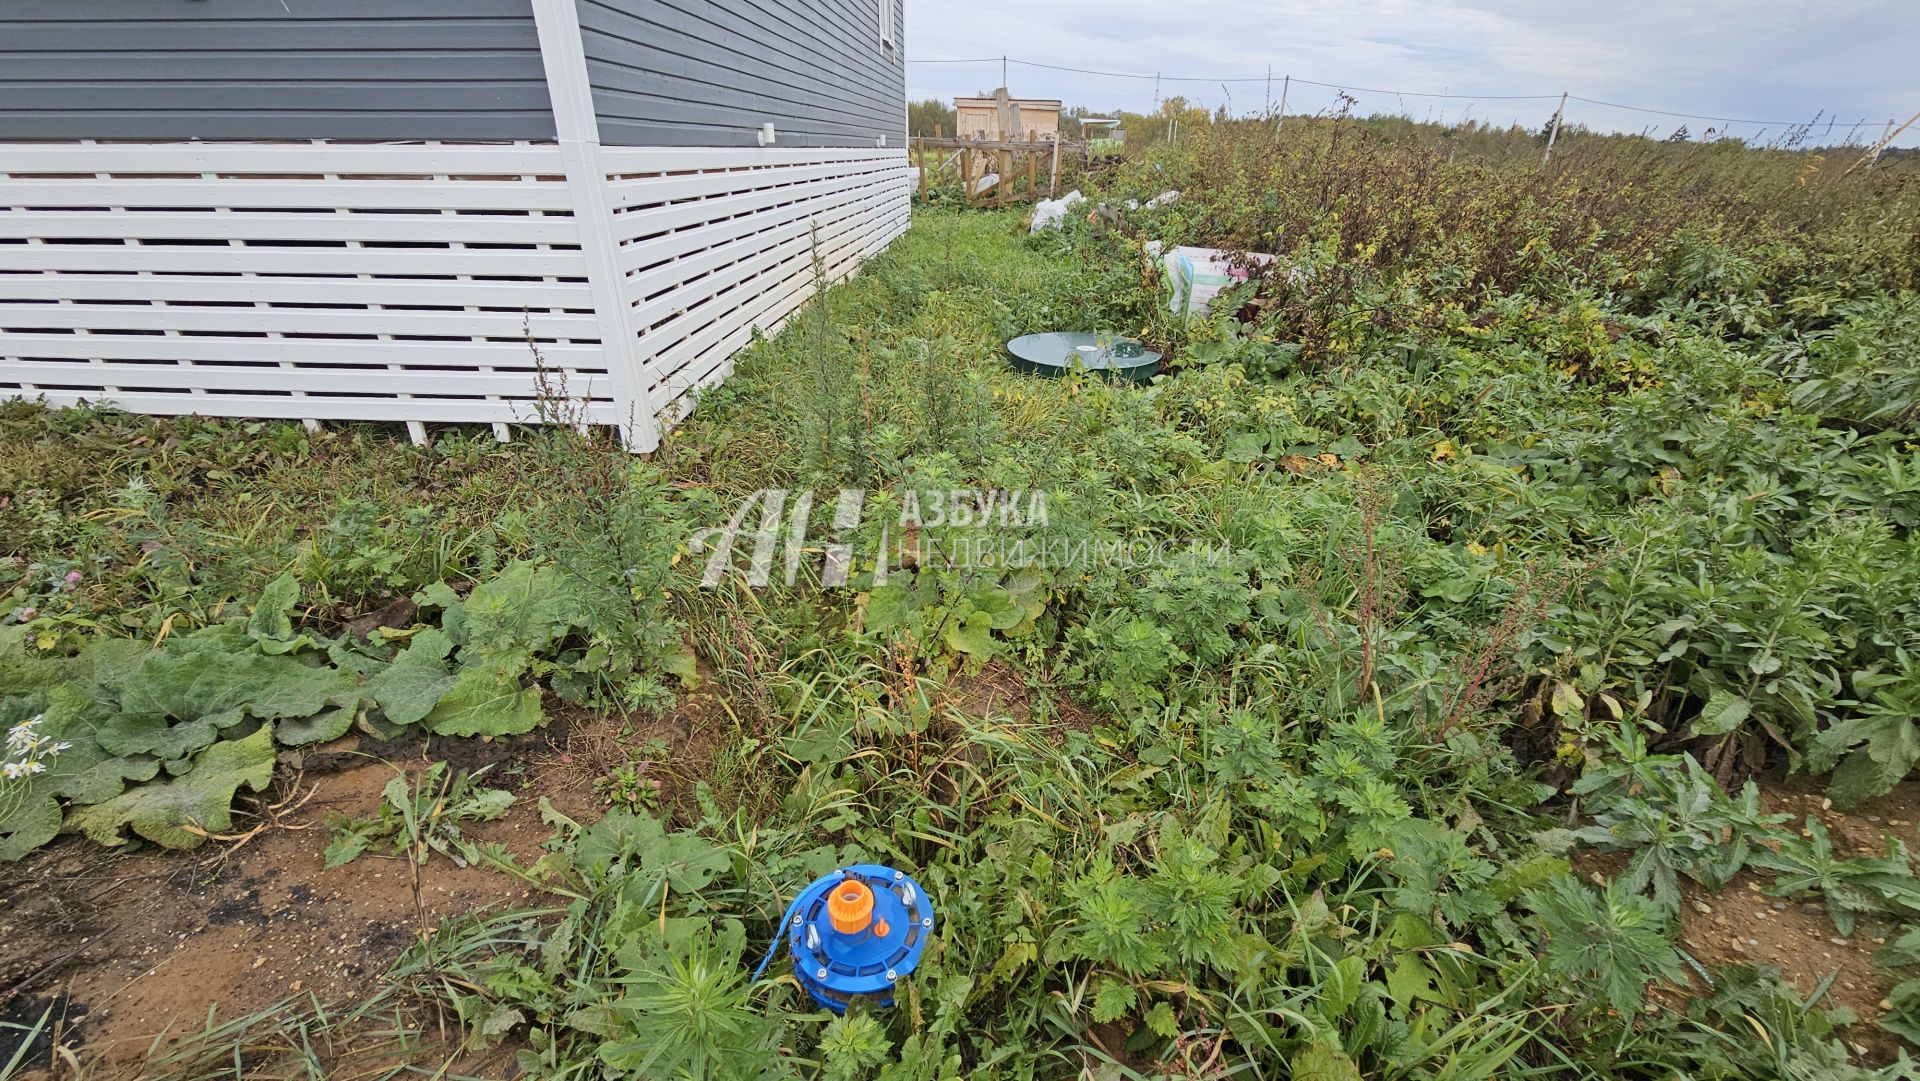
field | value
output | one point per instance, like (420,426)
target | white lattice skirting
(325,281)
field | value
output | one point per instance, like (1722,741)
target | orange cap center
(850,906)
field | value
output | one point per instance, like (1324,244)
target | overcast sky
(1768,60)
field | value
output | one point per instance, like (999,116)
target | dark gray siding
(698,73)
(271,69)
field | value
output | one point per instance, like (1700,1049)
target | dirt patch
(137,947)
(995,691)
(134,947)
(668,754)
(1742,925)
(163,938)
(999,691)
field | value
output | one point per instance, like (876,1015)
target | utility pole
(1281,118)
(1003,70)
(1555,133)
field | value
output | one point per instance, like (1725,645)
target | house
(381,209)
(1005,117)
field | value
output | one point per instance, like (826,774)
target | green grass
(1538,497)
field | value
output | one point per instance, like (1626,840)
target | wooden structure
(993,172)
(1002,117)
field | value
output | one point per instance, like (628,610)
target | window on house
(886,23)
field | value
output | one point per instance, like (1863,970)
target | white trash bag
(1052,213)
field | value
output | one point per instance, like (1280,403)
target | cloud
(1742,59)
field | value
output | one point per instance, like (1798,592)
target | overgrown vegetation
(1512,514)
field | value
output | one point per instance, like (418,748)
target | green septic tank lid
(1053,354)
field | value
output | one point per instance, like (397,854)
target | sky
(1744,60)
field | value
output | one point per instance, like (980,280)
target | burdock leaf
(202,799)
(83,772)
(516,614)
(105,664)
(485,703)
(33,820)
(328,724)
(95,777)
(208,689)
(415,682)
(972,635)
(147,733)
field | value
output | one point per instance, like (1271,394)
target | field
(1488,650)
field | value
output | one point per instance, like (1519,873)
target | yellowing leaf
(1567,701)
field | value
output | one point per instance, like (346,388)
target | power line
(1234,79)
(1303,82)
(1357,89)
(1684,116)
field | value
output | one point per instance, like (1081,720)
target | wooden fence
(994,172)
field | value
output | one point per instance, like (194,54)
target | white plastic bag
(1052,213)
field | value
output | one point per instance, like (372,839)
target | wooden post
(1005,188)
(923,168)
(1892,133)
(1033,170)
(1053,178)
(1555,133)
